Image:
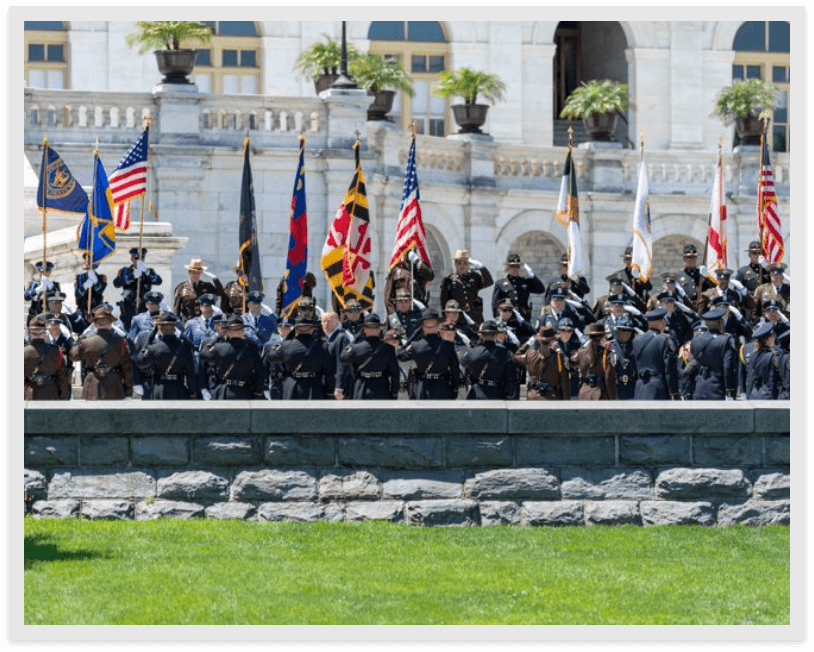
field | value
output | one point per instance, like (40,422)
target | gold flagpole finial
(246,140)
(96,147)
(570,135)
(641,139)
(412,127)
(147,119)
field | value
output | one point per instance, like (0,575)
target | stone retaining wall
(425,463)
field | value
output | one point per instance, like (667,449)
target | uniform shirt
(112,380)
(186,297)
(45,372)
(549,377)
(199,329)
(374,366)
(764,375)
(437,371)
(140,323)
(400,278)
(127,281)
(169,364)
(407,322)
(518,289)
(624,363)
(464,289)
(81,294)
(579,287)
(717,365)
(751,276)
(657,366)
(234,369)
(260,327)
(305,367)
(34,293)
(491,373)
(597,373)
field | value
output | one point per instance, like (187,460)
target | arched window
(422,48)
(46,54)
(232,63)
(762,52)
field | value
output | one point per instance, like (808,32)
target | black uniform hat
(722,300)
(700,327)
(257,297)
(53,318)
(713,315)
(564,259)
(402,295)
(669,277)
(489,326)
(617,299)
(287,322)
(306,303)
(565,324)
(513,259)
(153,297)
(220,319)
(668,296)
(234,321)
(102,311)
(56,296)
(763,330)
(48,265)
(558,293)
(452,306)
(777,268)
(207,299)
(615,279)
(655,314)
(135,253)
(628,252)
(166,318)
(772,304)
(429,314)
(373,320)
(784,338)
(303,320)
(624,323)
(352,304)
(506,303)
(754,247)
(724,273)
(690,250)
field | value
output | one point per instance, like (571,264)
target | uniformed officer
(259,325)
(106,356)
(406,319)
(59,335)
(518,330)
(437,371)
(784,366)
(618,285)
(763,366)
(557,309)
(352,318)
(168,364)
(693,283)
(597,374)
(517,286)
(716,354)
(400,277)
(733,321)
(576,284)
(669,282)
(233,365)
(548,369)
(202,327)
(678,323)
(568,342)
(639,288)
(45,372)
(620,309)
(772,312)
(39,288)
(144,321)
(187,294)
(309,309)
(308,284)
(336,339)
(232,299)
(727,289)
(274,370)
(375,369)
(489,369)
(753,274)
(687,365)
(135,277)
(305,364)
(461,322)
(656,362)
(86,282)
(777,288)
(463,285)
(623,358)
(74,321)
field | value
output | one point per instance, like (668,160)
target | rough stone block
(706,484)
(300,450)
(478,450)
(303,512)
(146,511)
(101,483)
(399,452)
(160,451)
(380,510)
(558,449)
(612,512)
(51,451)
(772,486)
(496,512)
(462,513)
(232,510)
(728,450)
(268,484)
(35,485)
(422,485)
(777,450)
(349,485)
(513,484)
(756,512)
(562,512)
(226,451)
(113,509)
(587,483)
(654,450)
(104,451)
(667,512)
(55,508)
(197,486)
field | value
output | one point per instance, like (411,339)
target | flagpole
(90,220)
(412,264)
(45,177)
(246,142)
(760,193)
(141,227)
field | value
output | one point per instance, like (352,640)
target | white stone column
(687,108)
(537,95)
(649,94)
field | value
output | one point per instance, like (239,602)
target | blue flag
(297,260)
(97,233)
(58,189)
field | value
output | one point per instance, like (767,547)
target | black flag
(249,251)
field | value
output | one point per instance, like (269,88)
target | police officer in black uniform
(517,286)
(784,366)
(234,365)
(716,354)
(656,362)
(374,363)
(690,277)
(36,291)
(437,372)
(305,363)
(407,317)
(576,284)
(623,359)
(168,363)
(763,366)
(88,281)
(463,285)
(136,276)
(753,274)
(489,368)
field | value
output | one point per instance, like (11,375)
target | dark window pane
(56,53)
(386,30)
(436,64)
(779,138)
(779,74)
(248,59)
(752,72)
(419,63)
(781,115)
(751,37)
(229,58)
(779,36)
(203,58)
(425,30)
(44,24)
(36,52)
(436,127)
(211,23)
(237,28)
(737,72)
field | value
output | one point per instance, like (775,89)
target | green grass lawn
(175,572)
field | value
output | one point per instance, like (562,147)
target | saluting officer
(656,361)
(639,288)
(259,326)
(374,364)
(437,372)
(352,318)
(187,294)
(308,284)
(597,373)
(489,368)
(690,277)
(168,363)
(136,276)
(233,365)
(716,354)
(144,320)
(576,284)
(44,368)
(463,285)
(407,317)
(305,364)
(400,277)
(36,290)
(776,289)
(623,359)
(753,274)
(547,367)
(202,327)
(515,287)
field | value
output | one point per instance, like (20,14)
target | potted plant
(470,116)
(321,62)
(598,103)
(167,37)
(379,75)
(749,105)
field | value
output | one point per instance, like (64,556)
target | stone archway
(541,251)
(668,255)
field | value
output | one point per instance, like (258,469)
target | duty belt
(169,377)
(646,375)
(489,383)
(235,383)
(303,374)
(593,379)
(433,376)
(101,370)
(626,379)
(371,374)
(706,372)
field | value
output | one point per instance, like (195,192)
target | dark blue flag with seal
(249,262)
(297,259)
(97,232)
(58,189)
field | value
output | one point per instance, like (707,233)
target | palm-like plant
(168,34)
(375,72)
(751,98)
(468,84)
(595,96)
(324,58)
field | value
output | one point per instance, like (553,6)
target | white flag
(716,234)
(642,235)
(568,215)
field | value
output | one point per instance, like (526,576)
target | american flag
(768,220)
(129,180)
(410,227)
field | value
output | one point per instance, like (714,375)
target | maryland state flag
(249,262)
(346,254)
(97,232)
(296,264)
(58,189)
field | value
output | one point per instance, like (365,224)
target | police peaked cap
(134,252)
(624,323)
(763,330)
(207,299)
(153,297)
(48,265)
(234,320)
(690,250)
(772,304)
(713,315)
(257,297)
(373,320)
(617,299)
(56,296)
(166,318)
(668,296)
(656,314)
(722,300)
(430,314)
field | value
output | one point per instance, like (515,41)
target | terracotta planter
(175,65)
(470,117)
(382,103)
(749,129)
(324,82)
(600,126)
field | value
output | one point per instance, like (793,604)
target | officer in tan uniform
(45,369)
(596,370)
(549,378)
(187,294)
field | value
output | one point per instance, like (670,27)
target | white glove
(512,338)
(267,394)
(163,305)
(518,316)
(137,271)
(635,273)
(633,310)
(680,290)
(207,396)
(783,317)
(92,276)
(210,275)
(683,308)
(628,289)
(787,278)
(47,283)
(475,264)
(575,296)
(413,257)
(735,283)
(529,271)
(761,260)
(88,284)
(735,312)
(703,271)
(138,389)
(729,398)
(573,304)
(127,398)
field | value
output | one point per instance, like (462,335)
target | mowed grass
(177,572)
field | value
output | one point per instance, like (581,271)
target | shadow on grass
(40,548)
